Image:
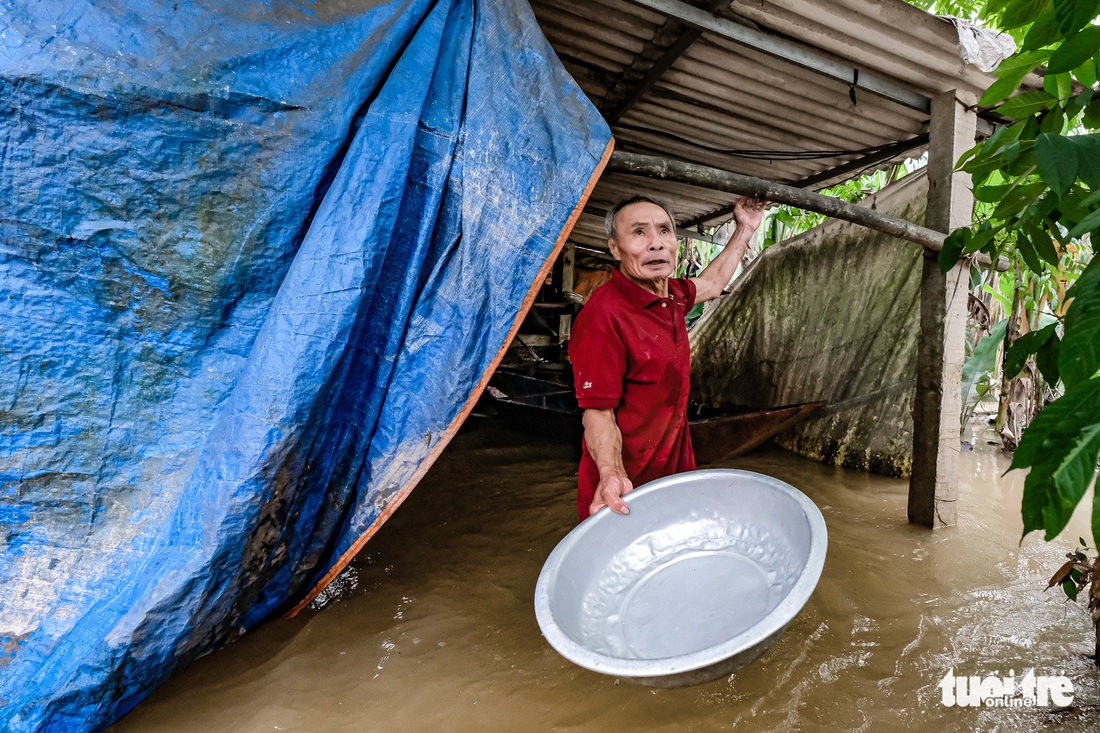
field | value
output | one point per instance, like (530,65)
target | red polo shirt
(630,352)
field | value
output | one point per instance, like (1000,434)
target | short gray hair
(609,218)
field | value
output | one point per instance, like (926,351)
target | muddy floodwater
(433,627)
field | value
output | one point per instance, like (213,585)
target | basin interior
(692,567)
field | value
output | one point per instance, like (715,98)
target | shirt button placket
(671,319)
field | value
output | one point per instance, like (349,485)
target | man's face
(644,243)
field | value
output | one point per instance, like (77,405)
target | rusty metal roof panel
(891,37)
(677,90)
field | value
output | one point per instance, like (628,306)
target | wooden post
(568,259)
(933,487)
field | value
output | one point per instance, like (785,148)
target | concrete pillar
(933,488)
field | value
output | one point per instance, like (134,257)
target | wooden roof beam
(888,152)
(720,180)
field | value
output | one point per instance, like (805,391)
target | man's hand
(748,213)
(605,445)
(610,493)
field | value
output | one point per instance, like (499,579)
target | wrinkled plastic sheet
(255,262)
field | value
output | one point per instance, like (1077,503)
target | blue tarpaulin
(256,261)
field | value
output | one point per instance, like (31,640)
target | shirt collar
(634,293)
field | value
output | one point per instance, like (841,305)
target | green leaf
(1092,200)
(1005,302)
(1092,114)
(1060,446)
(1018,199)
(1002,88)
(1046,358)
(1027,251)
(1054,121)
(1095,519)
(1027,104)
(1088,158)
(1079,357)
(991,194)
(1073,15)
(1021,12)
(1042,33)
(1024,347)
(1041,207)
(1078,103)
(1011,72)
(1086,225)
(1022,63)
(1056,159)
(981,238)
(1075,50)
(952,248)
(1044,246)
(1070,589)
(984,359)
(1086,73)
(1058,85)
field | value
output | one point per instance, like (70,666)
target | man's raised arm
(713,279)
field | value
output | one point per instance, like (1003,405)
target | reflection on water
(433,629)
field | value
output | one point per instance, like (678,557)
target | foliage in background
(783,222)
(979,368)
(967,9)
(1038,184)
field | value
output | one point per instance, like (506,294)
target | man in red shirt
(631,356)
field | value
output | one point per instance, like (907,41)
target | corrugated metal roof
(718,102)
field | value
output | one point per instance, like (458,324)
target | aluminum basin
(703,575)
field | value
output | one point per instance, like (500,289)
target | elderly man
(630,352)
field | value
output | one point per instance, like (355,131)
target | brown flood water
(434,627)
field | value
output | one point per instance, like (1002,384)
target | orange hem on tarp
(452,429)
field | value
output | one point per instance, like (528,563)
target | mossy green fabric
(831,315)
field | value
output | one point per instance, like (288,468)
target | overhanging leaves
(1075,51)
(953,246)
(1056,160)
(1027,104)
(1046,358)
(1011,72)
(1060,447)
(1074,14)
(1088,158)
(1044,246)
(983,360)
(1079,357)
(1021,12)
(1024,347)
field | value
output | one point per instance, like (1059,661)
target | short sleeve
(599,358)
(688,287)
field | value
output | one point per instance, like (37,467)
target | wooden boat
(545,405)
(732,434)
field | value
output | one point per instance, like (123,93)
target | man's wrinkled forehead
(640,214)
